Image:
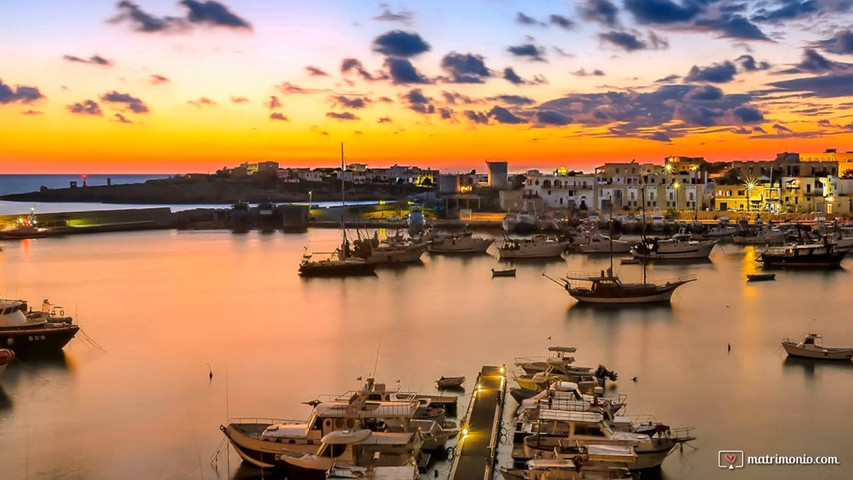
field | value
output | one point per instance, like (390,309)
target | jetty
(477,447)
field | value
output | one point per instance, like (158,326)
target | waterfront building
(498,175)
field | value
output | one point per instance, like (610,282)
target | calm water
(165,304)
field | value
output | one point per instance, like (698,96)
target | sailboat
(608,288)
(341,262)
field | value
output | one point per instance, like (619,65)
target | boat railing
(264,420)
(643,419)
(681,433)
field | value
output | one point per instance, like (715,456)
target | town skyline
(160,86)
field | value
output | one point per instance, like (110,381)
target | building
(498,175)
(570,190)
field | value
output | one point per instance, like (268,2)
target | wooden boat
(812,347)
(804,255)
(760,277)
(28,332)
(503,273)
(450,382)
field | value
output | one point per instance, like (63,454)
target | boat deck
(475,455)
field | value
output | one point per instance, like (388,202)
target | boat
(341,262)
(393,250)
(760,277)
(591,466)
(760,235)
(6,357)
(509,272)
(723,229)
(595,242)
(26,227)
(812,347)
(464,242)
(539,246)
(803,255)
(450,382)
(523,222)
(415,221)
(677,247)
(608,288)
(27,332)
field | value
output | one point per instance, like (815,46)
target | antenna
(376,362)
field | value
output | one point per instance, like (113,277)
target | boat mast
(643,236)
(610,236)
(343,205)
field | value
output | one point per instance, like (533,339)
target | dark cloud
(748,114)
(502,115)
(583,73)
(342,116)
(476,117)
(627,41)
(465,67)
(781,128)
(825,86)
(354,103)
(551,117)
(278,116)
(419,102)
(528,50)
(133,104)
(601,11)
(201,102)
(93,60)
(525,20)
(121,119)
(19,94)
(514,99)
(664,11)
(733,26)
(705,93)
(86,107)
(445,113)
(841,43)
(454,98)
(384,120)
(273,103)
(214,14)
(398,43)
(512,77)
(748,63)
(389,16)
(402,72)
(316,72)
(31,112)
(142,21)
(668,79)
(786,10)
(659,137)
(561,21)
(814,62)
(352,65)
(159,80)
(716,73)
(239,99)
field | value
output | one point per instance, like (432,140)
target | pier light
(503,369)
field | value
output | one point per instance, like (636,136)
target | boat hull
(470,246)
(539,251)
(409,254)
(657,297)
(822,354)
(37,341)
(826,260)
(336,269)
(261,453)
(688,252)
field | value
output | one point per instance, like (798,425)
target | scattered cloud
(716,73)
(402,72)
(355,103)
(86,107)
(840,43)
(551,117)
(583,73)
(529,51)
(733,26)
(352,65)
(93,60)
(398,43)
(273,103)
(659,137)
(158,79)
(316,71)
(121,119)
(214,14)
(601,11)
(132,103)
(202,102)
(210,13)
(512,77)
(514,99)
(278,116)
(631,41)
(142,21)
(239,99)
(825,86)
(747,63)
(786,10)
(476,117)
(342,115)
(455,98)
(465,67)
(503,115)
(287,88)
(814,62)
(384,120)
(19,94)
(390,16)
(523,19)
(419,102)
(31,112)
(561,21)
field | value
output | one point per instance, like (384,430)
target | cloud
(419,102)
(659,137)
(625,40)
(705,93)
(825,86)
(841,43)
(201,102)
(502,115)
(31,112)
(526,20)
(239,99)
(583,73)
(748,114)
(158,80)
(86,107)
(352,65)
(465,67)
(273,103)
(121,119)
(551,117)
(354,103)
(316,72)
(342,116)
(787,10)
(287,88)
(781,128)
(278,116)
(93,60)
(748,64)
(446,114)
(561,21)
(214,14)
(716,73)
(601,11)
(813,62)
(389,16)
(402,72)
(528,50)
(384,120)
(131,103)
(514,99)
(19,94)
(476,117)
(512,77)
(454,98)
(733,26)
(142,21)
(664,11)
(668,79)
(398,43)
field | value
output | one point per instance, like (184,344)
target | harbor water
(132,398)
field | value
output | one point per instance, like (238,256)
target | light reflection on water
(164,304)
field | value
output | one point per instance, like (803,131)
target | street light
(310,196)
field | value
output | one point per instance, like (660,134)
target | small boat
(803,255)
(539,246)
(510,272)
(812,347)
(450,382)
(6,357)
(760,277)
(29,332)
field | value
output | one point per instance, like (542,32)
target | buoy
(634,379)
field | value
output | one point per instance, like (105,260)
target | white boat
(812,347)
(539,246)
(596,242)
(677,247)
(393,250)
(521,222)
(464,242)
(761,236)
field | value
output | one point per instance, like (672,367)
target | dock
(477,448)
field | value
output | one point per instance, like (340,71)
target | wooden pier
(477,448)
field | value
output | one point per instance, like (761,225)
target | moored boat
(760,277)
(539,246)
(464,242)
(34,333)
(803,255)
(812,347)
(450,382)
(678,247)
(607,288)
(509,272)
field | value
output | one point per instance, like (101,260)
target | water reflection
(5,401)
(812,368)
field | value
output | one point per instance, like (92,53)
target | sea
(131,396)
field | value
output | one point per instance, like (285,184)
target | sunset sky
(181,86)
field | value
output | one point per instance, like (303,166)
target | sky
(194,85)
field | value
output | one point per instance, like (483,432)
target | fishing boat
(26,227)
(579,467)
(522,222)
(677,247)
(450,382)
(464,242)
(393,250)
(341,262)
(812,347)
(509,272)
(6,357)
(28,332)
(760,277)
(539,246)
(595,242)
(803,255)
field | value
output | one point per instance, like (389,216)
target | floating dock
(477,448)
